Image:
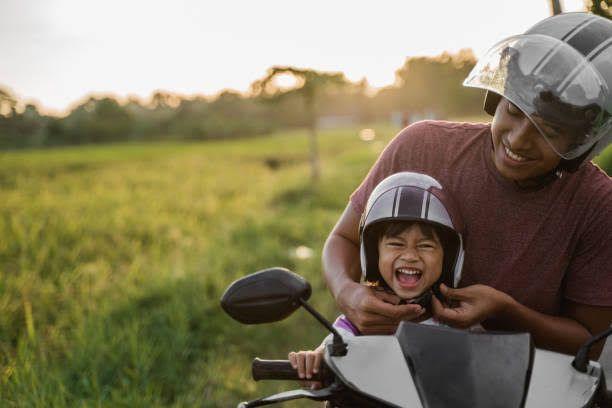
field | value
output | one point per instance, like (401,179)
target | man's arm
(565,333)
(371,311)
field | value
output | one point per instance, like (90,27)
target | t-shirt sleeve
(397,156)
(345,326)
(589,276)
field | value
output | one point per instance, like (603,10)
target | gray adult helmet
(559,74)
(408,196)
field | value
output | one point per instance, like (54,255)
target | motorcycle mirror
(265,296)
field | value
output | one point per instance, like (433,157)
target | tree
(555,7)
(94,121)
(434,84)
(163,100)
(600,7)
(8,103)
(309,85)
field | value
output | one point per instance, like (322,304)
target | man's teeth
(513,155)
(409,271)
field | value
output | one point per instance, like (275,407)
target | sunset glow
(56,52)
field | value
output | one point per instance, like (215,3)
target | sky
(55,52)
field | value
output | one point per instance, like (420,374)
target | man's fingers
(369,322)
(374,305)
(377,314)
(455,317)
(443,313)
(455,294)
(436,305)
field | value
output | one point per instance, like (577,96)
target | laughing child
(410,243)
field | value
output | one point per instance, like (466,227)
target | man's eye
(553,132)
(394,243)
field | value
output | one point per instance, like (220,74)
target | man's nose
(522,135)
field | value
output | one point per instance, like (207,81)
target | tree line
(424,85)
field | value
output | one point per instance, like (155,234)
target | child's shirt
(346,327)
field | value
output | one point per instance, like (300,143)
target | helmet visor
(559,89)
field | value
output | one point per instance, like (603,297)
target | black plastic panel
(457,368)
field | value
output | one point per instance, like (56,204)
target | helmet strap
(424,300)
(574,164)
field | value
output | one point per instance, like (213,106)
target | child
(410,242)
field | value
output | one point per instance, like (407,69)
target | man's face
(410,262)
(520,153)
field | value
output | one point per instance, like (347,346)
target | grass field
(113,260)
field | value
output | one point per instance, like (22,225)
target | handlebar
(282,370)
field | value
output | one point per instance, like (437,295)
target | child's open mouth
(408,277)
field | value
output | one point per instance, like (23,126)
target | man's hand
(473,305)
(372,311)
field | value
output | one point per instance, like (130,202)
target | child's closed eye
(427,245)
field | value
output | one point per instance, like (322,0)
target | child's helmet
(559,74)
(408,196)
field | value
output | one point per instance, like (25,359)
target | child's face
(410,262)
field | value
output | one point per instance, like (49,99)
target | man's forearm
(556,333)
(340,263)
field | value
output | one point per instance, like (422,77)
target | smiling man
(538,213)
(518,151)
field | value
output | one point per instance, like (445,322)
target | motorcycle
(420,365)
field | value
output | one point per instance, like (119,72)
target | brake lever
(316,395)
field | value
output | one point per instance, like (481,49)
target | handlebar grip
(280,370)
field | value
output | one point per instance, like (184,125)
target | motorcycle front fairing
(375,366)
(439,367)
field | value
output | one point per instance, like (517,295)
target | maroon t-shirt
(539,245)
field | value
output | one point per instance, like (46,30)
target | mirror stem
(581,361)
(338,345)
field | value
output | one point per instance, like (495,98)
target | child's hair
(395,228)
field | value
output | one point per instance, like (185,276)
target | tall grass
(113,260)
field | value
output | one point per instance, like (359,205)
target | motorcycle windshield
(456,368)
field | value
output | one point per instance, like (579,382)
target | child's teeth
(409,271)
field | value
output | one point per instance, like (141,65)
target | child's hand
(307,363)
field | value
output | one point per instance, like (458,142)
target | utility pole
(555,6)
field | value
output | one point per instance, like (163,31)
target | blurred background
(153,152)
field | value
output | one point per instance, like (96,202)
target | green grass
(113,259)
